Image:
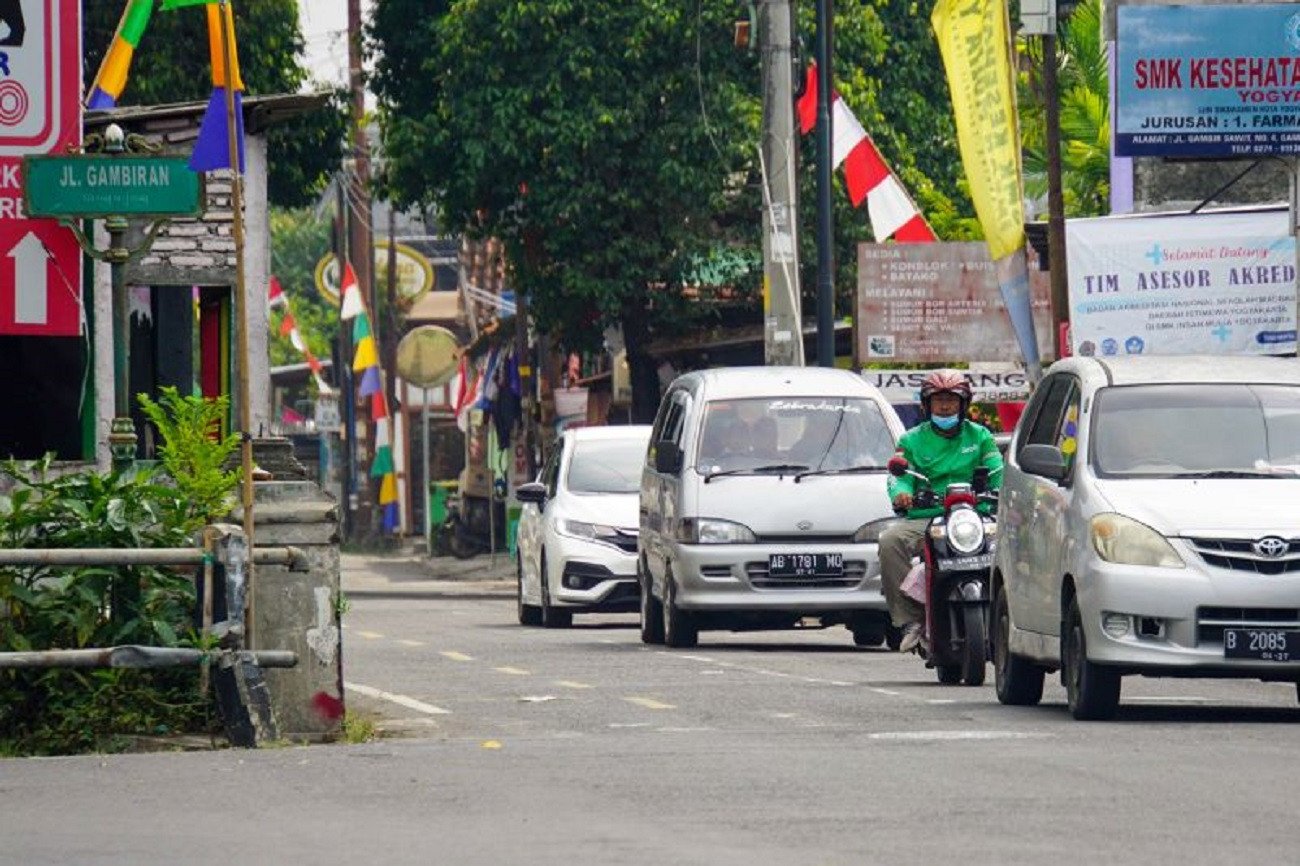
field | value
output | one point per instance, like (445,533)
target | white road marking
(1166,699)
(455,656)
(370,635)
(629,724)
(412,643)
(517,672)
(684,730)
(649,703)
(536,699)
(570,684)
(400,700)
(887,692)
(921,736)
(941,701)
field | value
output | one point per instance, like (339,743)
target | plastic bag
(913,585)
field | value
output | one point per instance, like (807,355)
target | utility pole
(782,317)
(1055,200)
(825,217)
(343,368)
(360,235)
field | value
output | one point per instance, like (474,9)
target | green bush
(194,452)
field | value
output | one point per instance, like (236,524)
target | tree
(1083,88)
(298,242)
(172,65)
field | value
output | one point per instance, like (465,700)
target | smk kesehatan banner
(973,41)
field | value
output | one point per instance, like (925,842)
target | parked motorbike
(958,558)
(467,530)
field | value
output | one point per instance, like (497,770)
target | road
(506,744)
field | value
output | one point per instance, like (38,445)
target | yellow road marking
(457,657)
(519,672)
(650,703)
(570,684)
(371,635)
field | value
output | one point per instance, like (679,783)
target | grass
(358,728)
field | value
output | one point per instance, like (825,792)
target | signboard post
(40,112)
(111,184)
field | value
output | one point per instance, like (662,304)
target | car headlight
(1124,541)
(869,533)
(708,530)
(965,531)
(589,531)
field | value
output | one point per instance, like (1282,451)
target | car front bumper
(1176,617)
(735,577)
(592,576)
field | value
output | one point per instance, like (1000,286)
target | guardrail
(242,698)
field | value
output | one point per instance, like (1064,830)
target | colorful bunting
(370,381)
(111,78)
(276,297)
(367,355)
(212,148)
(352,304)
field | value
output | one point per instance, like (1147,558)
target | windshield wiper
(1231,473)
(848,470)
(756,470)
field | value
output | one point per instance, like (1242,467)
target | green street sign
(86,186)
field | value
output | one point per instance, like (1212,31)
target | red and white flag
(350,291)
(890,208)
(276,296)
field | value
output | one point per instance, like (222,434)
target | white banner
(993,386)
(1209,283)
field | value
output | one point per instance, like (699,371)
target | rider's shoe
(913,633)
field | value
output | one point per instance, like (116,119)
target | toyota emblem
(1271,547)
(805,525)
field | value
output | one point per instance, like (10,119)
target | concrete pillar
(296,610)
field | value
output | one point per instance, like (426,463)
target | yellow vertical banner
(974,40)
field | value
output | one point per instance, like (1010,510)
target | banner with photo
(1220,282)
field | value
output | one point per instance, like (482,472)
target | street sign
(100,185)
(40,112)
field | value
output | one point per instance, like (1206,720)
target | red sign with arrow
(40,112)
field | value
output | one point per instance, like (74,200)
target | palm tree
(1083,88)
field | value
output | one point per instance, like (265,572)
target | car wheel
(679,626)
(652,612)
(1091,690)
(867,632)
(552,617)
(1018,682)
(949,675)
(975,652)
(529,614)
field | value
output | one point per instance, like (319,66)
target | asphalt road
(506,744)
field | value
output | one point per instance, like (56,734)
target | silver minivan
(762,502)
(1149,526)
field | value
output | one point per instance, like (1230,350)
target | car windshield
(1196,431)
(606,466)
(812,432)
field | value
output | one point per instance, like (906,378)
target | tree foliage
(172,65)
(299,240)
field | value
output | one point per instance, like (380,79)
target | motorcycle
(958,558)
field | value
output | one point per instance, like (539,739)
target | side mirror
(898,466)
(980,479)
(1044,460)
(668,458)
(533,491)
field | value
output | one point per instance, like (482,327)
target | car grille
(1211,621)
(854,573)
(1239,555)
(805,538)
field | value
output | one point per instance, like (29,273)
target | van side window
(1046,424)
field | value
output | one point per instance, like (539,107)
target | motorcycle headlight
(869,533)
(965,531)
(1124,541)
(589,531)
(709,530)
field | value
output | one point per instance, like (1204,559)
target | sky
(324,30)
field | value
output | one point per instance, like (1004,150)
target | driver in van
(946,448)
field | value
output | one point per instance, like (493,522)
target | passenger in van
(946,448)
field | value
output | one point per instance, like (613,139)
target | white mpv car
(1150,524)
(578,530)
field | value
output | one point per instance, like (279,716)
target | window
(1046,421)
(816,432)
(606,466)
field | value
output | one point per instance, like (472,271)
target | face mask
(945,422)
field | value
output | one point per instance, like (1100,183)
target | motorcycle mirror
(897,466)
(980,480)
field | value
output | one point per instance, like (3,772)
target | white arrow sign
(31,281)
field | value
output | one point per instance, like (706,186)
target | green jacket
(945,461)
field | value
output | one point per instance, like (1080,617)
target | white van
(762,501)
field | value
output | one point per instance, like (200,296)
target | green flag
(169,5)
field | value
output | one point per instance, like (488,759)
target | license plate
(1262,644)
(805,565)
(966,563)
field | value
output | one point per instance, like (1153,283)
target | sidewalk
(414,575)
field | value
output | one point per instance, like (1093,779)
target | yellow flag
(973,39)
(365,356)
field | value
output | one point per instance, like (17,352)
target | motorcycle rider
(946,448)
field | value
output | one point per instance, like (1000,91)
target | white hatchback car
(578,531)
(1150,524)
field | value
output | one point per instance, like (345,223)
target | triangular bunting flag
(378,406)
(275,297)
(365,356)
(383,464)
(391,520)
(370,382)
(388,489)
(352,305)
(287,324)
(383,438)
(361,327)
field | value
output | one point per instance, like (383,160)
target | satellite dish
(427,356)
